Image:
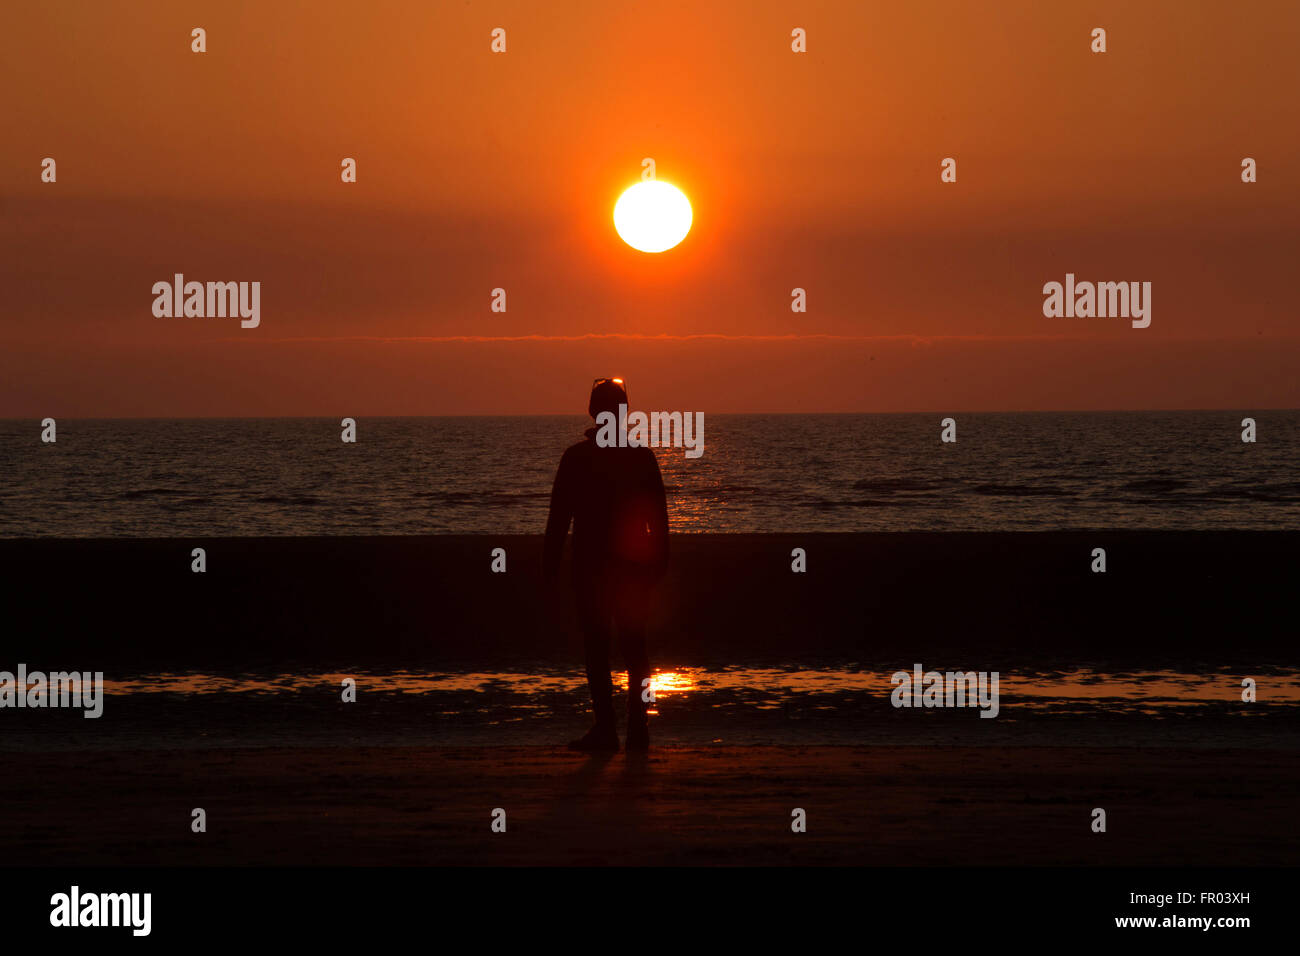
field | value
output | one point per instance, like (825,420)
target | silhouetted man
(615,498)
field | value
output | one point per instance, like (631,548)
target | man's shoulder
(579,449)
(646,455)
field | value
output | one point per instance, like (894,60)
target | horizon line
(934,411)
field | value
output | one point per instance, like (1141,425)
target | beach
(224,692)
(681,805)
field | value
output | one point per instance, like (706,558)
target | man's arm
(658,517)
(557,521)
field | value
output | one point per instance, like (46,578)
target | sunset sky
(479,170)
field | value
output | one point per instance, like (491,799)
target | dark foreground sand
(681,805)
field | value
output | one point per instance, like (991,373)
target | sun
(652,216)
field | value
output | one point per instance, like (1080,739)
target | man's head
(606,395)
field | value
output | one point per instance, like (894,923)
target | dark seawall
(1215,598)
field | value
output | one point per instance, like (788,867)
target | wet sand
(720,805)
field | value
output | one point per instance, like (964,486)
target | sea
(1181,470)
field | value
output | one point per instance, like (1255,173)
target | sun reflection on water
(760,687)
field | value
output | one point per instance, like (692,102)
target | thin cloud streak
(660,337)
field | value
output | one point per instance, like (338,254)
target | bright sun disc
(652,216)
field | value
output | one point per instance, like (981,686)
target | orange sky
(478,170)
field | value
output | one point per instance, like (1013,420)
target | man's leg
(630,617)
(595,619)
